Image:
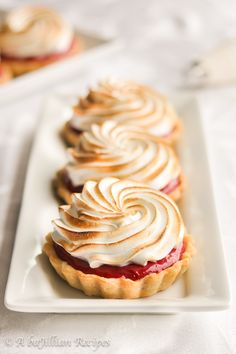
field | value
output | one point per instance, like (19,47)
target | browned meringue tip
(71,137)
(120,288)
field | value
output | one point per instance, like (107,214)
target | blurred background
(162,35)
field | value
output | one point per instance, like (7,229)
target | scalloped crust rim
(119,288)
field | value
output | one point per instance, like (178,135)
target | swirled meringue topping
(123,152)
(34,31)
(126,102)
(118,222)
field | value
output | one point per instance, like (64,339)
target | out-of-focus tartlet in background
(34,36)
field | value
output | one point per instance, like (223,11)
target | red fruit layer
(131,271)
(49,57)
(171,186)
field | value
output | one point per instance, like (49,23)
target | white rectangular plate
(56,72)
(33,285)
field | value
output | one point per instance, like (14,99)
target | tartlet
(33,36)
(119,239)
(125,102)
(125,152)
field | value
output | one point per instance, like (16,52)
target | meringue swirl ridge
(123,152)
(118,222)
(126,102)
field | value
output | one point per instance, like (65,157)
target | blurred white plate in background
(55,73)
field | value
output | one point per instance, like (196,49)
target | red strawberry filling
(70,186)
(131,271)
(171,186)
(52,57)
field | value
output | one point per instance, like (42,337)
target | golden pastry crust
(64,194)
(20,67)
(71,138)
(5,73)
(119,288)
(60,189)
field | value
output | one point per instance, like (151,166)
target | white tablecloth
(160,40)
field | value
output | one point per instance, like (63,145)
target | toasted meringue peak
(118,222)
(123,152)
(126,102)
(34,31)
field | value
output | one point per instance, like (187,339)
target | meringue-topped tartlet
(34,36)
(119,239)
(125,102)
(123,152)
